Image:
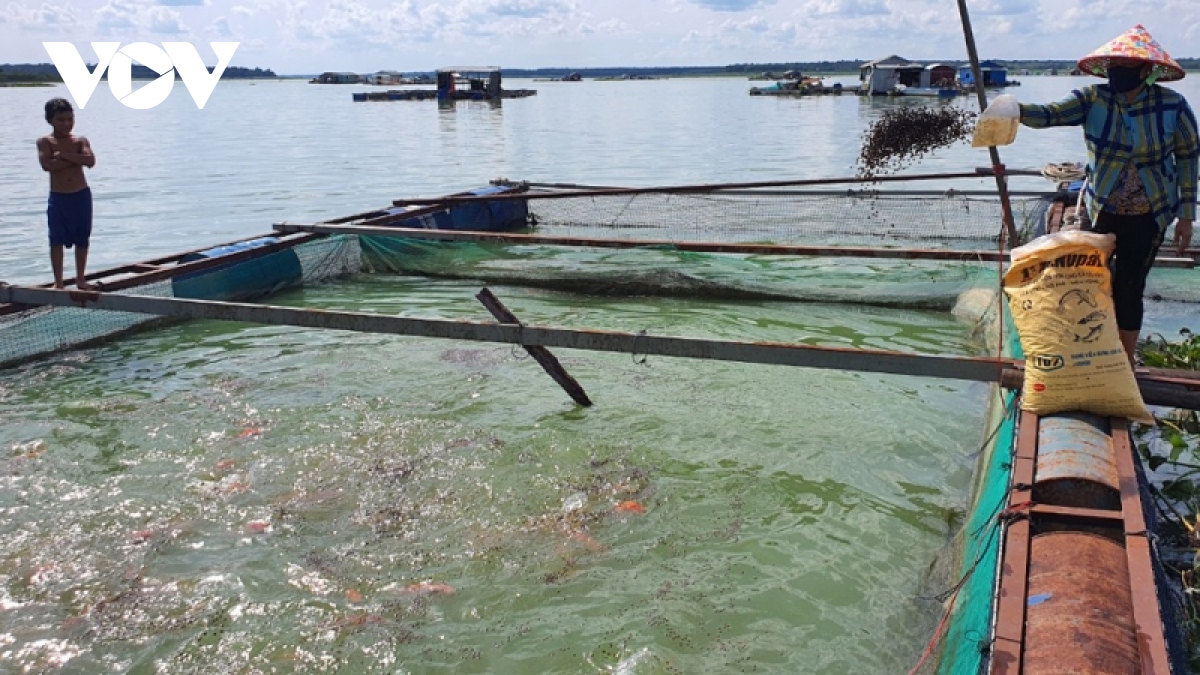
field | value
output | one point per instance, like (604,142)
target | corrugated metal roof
(892,60)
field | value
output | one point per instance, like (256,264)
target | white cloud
(732,5)
(613,26)
(165,21)
(44,17)
(221,30)
(127,18)
(847,8)
(1003,7)
(118,16)
(353,22)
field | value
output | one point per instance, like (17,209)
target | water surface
(213,497)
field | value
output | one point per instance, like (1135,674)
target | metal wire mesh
(851,218)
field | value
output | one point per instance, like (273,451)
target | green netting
(923,284)
(950,220)
(914,221)
(964,576)
(44,330)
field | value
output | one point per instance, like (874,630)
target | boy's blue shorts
(69,215)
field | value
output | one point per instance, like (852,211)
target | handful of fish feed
(903,135)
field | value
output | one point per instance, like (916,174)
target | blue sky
(306,36)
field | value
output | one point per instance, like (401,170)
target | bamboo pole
(998,167)
(677,189)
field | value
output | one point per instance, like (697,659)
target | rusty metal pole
(1010,226)
(543,356)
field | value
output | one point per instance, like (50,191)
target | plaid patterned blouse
(1157,133)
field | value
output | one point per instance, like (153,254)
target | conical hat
(1135,44)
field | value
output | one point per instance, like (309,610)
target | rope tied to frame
(633,352)
(1064,172)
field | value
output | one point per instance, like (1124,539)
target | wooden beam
(545,359)
(771,353)
(1009,639)
(1147,615)
(1009,373)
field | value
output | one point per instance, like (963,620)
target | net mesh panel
(329,258)
(851,219)
(44,330)
(915,284)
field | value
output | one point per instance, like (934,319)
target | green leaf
(1179,490)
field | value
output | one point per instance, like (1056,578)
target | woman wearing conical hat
(1142,160)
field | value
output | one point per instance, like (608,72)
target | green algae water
(209,497)
(221,497)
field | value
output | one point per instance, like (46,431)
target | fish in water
(428,588)
(588,541)
(629,506)
(258,527)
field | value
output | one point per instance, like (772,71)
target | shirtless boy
(69,210)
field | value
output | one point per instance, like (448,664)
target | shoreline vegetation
(844,67)
(46,75)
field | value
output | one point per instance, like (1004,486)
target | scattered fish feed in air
(903,135)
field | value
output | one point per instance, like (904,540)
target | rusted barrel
(1075,463)
(1079,612)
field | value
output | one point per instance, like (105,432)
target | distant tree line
(615,71)
(847,66)
(843,66)
(815,67)
(46,72)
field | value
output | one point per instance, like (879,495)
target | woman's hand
(1183,236)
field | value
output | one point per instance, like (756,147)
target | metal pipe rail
(1157,389)
(518,239)
(678,189)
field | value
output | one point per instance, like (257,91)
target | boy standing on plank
(69,209)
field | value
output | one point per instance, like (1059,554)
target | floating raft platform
(397,95)
(806,90)
(432,95)
(454,84)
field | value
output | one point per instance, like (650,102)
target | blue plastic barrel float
(239,280)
